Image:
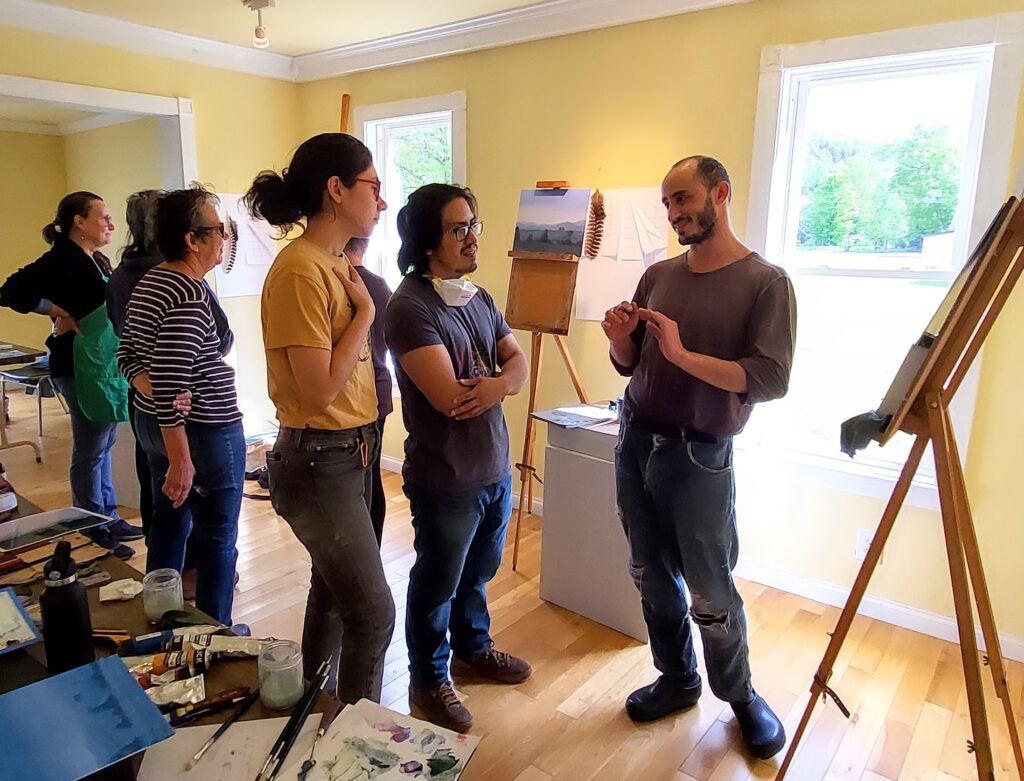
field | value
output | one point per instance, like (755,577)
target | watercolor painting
(552,221)
(16,628)
(368,742)
(104,717)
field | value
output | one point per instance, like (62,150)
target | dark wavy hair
(179,213)
(419,224)
(297,193)
(72,205)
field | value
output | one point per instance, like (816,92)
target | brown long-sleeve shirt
(744,312)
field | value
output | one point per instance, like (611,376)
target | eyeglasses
(204,230)
(374,183)
(461,232)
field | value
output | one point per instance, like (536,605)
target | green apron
(101,389)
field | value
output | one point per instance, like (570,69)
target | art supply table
(17,355)
(22,667)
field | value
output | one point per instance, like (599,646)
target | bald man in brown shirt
(707,335)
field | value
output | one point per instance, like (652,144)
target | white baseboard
(895,613)
(390,464)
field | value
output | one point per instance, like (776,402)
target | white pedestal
(122,468)
(584,556)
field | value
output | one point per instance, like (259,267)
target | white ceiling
(294,26)
(39,112)
(316,39)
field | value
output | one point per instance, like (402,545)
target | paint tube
(184,692)
(218,645)
(154,641)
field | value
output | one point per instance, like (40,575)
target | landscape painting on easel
(552,221)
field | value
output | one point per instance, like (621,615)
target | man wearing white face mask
(457,361)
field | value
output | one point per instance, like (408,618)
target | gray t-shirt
(744,312)
(442,453)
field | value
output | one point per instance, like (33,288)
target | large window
(869,199)
(413,143)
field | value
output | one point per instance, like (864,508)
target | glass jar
(280,669)
(161,592)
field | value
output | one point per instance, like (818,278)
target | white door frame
(119,106)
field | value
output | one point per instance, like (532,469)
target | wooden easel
(924,413)
(540,297)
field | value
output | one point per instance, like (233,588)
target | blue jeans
(91,486)
(676,500)
(218,455)
(458,542)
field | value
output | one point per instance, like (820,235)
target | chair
(35,378)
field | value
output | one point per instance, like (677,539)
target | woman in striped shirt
(198,463)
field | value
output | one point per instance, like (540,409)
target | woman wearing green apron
(68,284)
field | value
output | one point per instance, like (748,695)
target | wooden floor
(910,718)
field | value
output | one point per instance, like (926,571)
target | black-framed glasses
(461,232)
(374,183)
(205,230)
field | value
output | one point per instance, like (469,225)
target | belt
(676,433)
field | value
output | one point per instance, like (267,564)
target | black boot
(661,698)
(762,731)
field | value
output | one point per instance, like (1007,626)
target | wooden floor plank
(567,722)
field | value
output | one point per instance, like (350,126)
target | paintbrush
(325,722)
(239,712)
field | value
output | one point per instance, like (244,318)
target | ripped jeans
(676,500)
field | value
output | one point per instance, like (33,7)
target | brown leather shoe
(441,706)
(492,666)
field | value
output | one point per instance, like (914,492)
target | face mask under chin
(454,292)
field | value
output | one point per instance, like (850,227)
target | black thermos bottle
(67,630)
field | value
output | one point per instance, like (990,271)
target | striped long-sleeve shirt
(169,331)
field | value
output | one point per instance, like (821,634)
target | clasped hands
(483,393)
(620,321)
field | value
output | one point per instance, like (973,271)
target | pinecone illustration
(595,226)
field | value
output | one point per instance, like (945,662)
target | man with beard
(708,335)
(457,360)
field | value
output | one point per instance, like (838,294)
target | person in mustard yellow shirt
(316,314)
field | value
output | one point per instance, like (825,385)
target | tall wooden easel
(924,413)
(540,296)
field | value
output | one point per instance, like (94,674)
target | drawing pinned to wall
(634,236)
(368,742)
(248,251)
(552,221)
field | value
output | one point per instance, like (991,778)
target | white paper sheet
(256,250)
(237,755)
(635,236)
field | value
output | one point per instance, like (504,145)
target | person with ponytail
(317,315)
(68,284)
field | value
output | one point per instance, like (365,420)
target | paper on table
(237,755)
(77,723)
(16,628)
(368,740)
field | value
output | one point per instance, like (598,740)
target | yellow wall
(243,124)
(611,108)
(32,182)
(115,162)
(614,108)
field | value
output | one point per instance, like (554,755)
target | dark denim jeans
(676,500)
(212,507)
(320,485)
(91,486)
(458,541)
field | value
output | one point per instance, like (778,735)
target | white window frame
(452,102)
(768,181)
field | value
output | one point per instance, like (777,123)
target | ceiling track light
(260,40)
